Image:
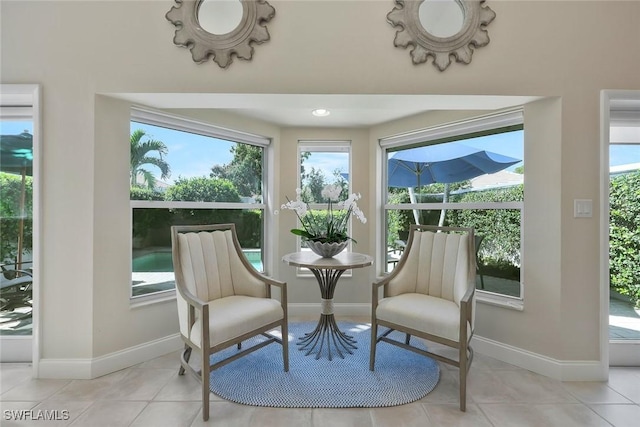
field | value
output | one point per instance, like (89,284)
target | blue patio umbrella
(442,163)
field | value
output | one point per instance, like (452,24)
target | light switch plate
(582,208)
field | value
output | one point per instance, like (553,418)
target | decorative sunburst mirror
(220,29)
(441,29)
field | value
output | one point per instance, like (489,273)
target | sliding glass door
(17,254)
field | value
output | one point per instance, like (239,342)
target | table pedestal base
(327,335)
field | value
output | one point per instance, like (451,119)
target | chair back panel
(212,268)
(436,264)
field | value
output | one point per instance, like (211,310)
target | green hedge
(500,228)
(152,226)
(624,236)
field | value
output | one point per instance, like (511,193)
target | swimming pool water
(161,262)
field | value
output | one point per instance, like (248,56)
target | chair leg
(407,339)
(205,375)
(463,376)
(285,346)
(186,355)
(374,343)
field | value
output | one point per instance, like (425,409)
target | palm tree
(140,156)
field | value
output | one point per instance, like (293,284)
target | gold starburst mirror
(441,29)
(220,29)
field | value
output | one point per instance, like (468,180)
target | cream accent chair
(222,299)
(431,295)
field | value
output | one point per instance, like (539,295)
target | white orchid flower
(330,227)
(331,192)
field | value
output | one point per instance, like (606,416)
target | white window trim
(185,124)
(16,113)
(453,129)
(459,128)
(153,117)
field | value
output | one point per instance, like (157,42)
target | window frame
(321,146)
(183,124)
(500,122)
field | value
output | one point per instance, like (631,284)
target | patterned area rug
(258,379)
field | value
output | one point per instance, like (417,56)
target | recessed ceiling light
(321,112)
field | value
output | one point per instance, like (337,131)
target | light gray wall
(566,50)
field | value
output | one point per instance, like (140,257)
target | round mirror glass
(220,16)
(441,18)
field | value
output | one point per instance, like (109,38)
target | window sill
(151,299)
(500,301)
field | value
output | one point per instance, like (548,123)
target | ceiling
(294,110)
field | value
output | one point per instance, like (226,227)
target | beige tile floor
(152,394)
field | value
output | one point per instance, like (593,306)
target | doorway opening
(621,220)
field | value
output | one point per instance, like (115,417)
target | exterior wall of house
(84,53)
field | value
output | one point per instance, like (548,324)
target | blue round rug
(258,379)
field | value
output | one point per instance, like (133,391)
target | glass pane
(624,241)
(447,171)
(497,242)
(152,267)
(167,164)
(319,169)
(16,227)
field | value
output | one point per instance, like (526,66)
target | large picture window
(467,174)
(185,172)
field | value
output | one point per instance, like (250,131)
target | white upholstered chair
(430,295)
(222,299)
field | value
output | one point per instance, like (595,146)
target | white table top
(342,261)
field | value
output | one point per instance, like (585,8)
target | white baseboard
(68,369)
(102,365)
(624,353)
(571,370)
(563,370)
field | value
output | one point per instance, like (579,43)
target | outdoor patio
(624,321)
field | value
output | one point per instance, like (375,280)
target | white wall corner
(562,370)
(103,365)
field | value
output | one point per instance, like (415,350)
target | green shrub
(202,189)
(10,215)
(624,236)
(500,227)
(143,193)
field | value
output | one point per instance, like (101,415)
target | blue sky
(189,155)
(15,127)
(327,163)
